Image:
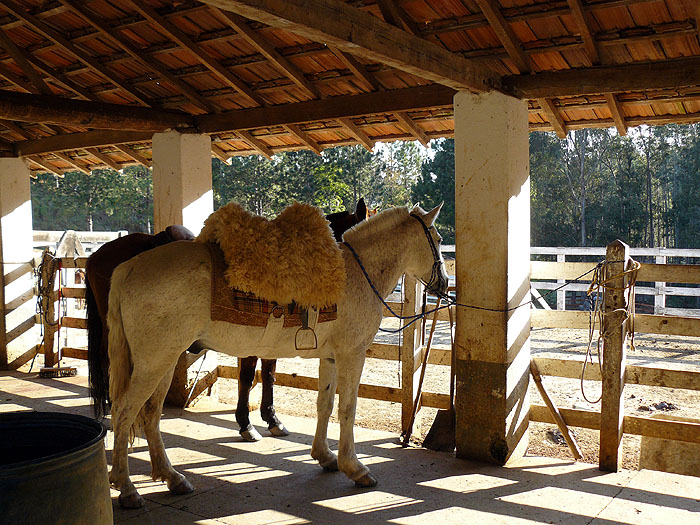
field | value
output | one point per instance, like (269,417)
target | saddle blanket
(245,308)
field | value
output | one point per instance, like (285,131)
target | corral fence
(545,275)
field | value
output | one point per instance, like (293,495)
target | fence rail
(412,350)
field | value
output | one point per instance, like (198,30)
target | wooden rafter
(20,58)
(37,160)
(61,79)
(103,158)
(220,154)
(15,79)
(16,129)
(304,137)
(57,38)
(179,36)
(355,131)
(268,51)
(668,74)
(67,158)
(362,34)
(591,46)
(255,143)
(414,129)
(106,32)
(554,117)
(131,152)
(357,69)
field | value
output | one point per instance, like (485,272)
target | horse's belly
(243,341)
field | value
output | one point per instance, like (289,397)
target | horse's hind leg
(125,409)
(161,469)
(327,381)
(267,407)
(246,377)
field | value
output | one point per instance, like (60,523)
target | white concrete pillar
(492,216)
(182,192)
(17,326)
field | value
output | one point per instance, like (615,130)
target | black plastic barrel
(53,469)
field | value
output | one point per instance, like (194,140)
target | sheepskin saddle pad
(245,308)
(291,259)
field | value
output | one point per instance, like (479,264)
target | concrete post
(17,325)
(182,194)
(492,198)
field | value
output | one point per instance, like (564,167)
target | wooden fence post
(614,329)
(410,355)
(49,266)
(660,296)
(561,294)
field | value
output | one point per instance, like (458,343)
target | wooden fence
(611,421)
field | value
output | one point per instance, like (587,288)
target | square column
(18,333)
(182,194)
(492,219)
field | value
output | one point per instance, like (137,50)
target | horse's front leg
(246,377)
(267,407)
(349,372)
(327,382)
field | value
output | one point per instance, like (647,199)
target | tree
(436,184)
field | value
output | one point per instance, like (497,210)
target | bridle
(437,282)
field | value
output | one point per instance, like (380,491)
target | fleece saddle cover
(291,259)
(244,308)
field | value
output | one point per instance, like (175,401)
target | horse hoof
(183,487)
(331,466)
(250,434)
(366,481)
(279,430)
(131,501)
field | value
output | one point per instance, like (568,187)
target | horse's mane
(382,221)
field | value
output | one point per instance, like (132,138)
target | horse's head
(428,264)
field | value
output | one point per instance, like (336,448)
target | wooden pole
(49,266)
(614,331)
(410,356)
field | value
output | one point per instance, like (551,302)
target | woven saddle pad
(244,308)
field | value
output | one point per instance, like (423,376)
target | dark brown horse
(99,269)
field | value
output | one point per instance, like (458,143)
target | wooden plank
(86,139)
(614,332)
(357,133)
(14,274)
(134,154)
(19,56)
(505,34)
(304,138)
(257,144)
(670,273)
(562,270)
(104,158)
(661,74)
(203,384)
(73,293)
(383,351)
(358,69)
(574,418)
(67,158)
(78,262)
(561,319)
(338,24)
(74,322)
(74,353)
(433,400)
(658,324)
(410,358)
(553,116)
(616,112)
(412,127)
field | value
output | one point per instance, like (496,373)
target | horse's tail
(98,360)
(119,351)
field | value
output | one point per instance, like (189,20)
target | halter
(436,281)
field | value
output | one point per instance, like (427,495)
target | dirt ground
(671,352)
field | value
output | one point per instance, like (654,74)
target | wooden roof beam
(88,139)
(505,34)
(338,24)
(268,51)
(255,143)
(357,133)
(414,129)
(172,31)
(106,32)
(304,138)
(41,108)
(220,154)
(357,69)
(57,38)
(665,74)
(133,154)
(37,160)
(553,116)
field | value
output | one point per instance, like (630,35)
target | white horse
(159,305)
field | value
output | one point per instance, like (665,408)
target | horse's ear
(430,217)
(361,209)
(416,207)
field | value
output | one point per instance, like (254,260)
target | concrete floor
(276,481)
